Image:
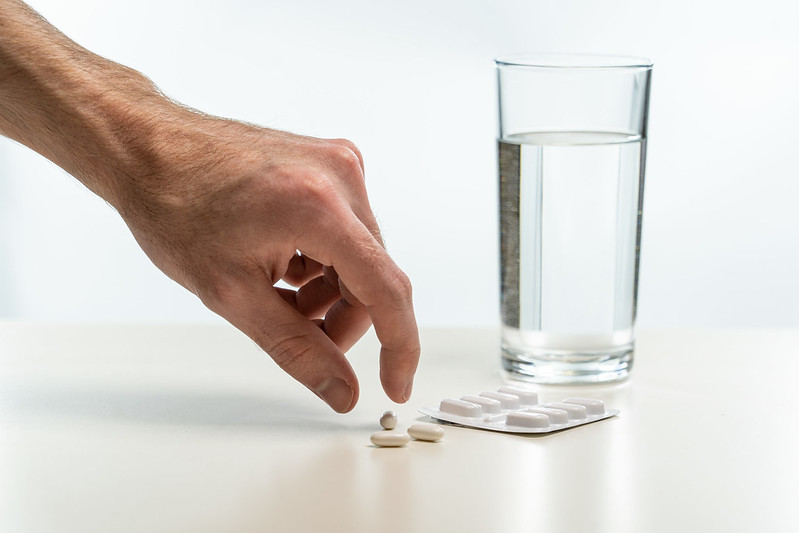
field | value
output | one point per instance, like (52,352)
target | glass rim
(573,61)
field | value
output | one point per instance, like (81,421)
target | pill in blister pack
(515,410)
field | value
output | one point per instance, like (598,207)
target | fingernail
(408,389)
(337,394)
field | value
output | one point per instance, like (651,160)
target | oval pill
(426,432)
(556,416)
(508,401)
(489,406)
(528,420)
(593,406)
(527,397)
(576,412)
(460,408)
(388,420)
(390,439)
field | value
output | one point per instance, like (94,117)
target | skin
(224,208)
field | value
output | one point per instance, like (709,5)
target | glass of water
(572,145)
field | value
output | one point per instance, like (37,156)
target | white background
(412,83)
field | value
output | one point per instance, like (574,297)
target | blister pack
(515,410)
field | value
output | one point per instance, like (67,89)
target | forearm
(222,207)
(72,106)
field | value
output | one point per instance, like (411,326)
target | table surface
(193,429)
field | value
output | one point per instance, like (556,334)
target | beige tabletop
(193,429)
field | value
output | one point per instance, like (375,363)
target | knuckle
(221,295)
(292,353)
(355,150)
(399,289)
(346,142)
(310,189)
(349,144)
(318,186)
(345,157)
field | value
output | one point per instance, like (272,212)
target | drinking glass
(571,151)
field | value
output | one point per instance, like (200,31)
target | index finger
(376,281)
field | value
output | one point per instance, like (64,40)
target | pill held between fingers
(426,432)
(389,439)
(388,420)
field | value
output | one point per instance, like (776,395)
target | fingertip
(408,390)
(401,394)
(338,394)
(398,368)
(396,389)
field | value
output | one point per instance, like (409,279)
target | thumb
(298,346)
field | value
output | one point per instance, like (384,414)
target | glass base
(567,368)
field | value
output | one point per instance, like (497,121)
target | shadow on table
(181,408)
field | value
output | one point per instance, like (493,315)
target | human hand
(224,208)
(227,209)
